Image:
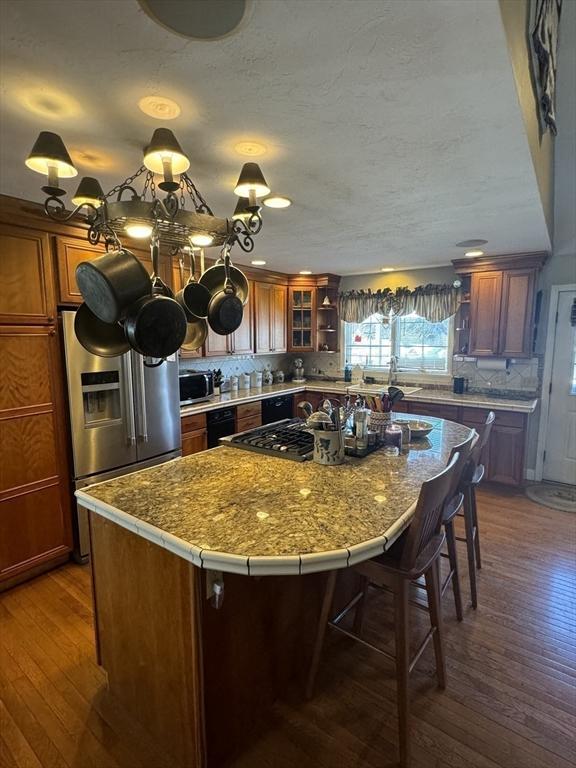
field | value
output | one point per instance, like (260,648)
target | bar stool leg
(321,632)
(359,610)
(434,590)
(469,527)
(476,529)
(453,560)
(402,630)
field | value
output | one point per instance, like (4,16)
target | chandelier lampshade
(89,192)
(164,150)
(251,182)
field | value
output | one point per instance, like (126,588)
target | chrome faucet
(392,370)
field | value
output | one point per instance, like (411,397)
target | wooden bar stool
(472,477)
(415,554)
(452,508)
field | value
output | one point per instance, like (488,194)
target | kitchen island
(201,679)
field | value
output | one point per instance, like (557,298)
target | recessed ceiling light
(470,243)
(250,148)
(305,271)
(476,252)
(277,201)
(387,269)
(160,107)
(258,262)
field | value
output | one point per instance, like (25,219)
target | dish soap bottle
(347,372)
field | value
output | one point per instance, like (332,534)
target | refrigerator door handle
(141,388)
(129,400)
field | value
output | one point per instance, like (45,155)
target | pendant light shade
(251,179)
(49,153)
(164,149)
(244,210)
(89,191)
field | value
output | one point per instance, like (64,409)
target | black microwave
(196,386)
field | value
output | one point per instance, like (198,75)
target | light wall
(411,278)
(516,20)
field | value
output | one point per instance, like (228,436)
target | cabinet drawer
(249,423)
(194,442)
(193,422)
(478,416)
(439,410)
(249,409)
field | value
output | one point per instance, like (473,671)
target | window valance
(432,302)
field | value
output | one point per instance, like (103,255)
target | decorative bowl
(418,429)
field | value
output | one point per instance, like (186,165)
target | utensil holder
(328,447)
(379,421)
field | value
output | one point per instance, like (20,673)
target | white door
(560,456)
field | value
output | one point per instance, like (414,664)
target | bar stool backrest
(476,453)
(464,451)
(427,520)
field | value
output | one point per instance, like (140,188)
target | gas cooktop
(287,439)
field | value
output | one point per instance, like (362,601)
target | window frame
(409,373)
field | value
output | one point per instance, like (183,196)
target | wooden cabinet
(194,434)
(178,282)
(502,292)
(248,416)
(302,318)
(241,342)
(35,516)
(270,317)
(26,277)
(439,410)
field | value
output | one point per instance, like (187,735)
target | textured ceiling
(394,126)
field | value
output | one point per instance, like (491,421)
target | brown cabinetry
(248,416)
(26,277)
(35,522)
(270,316)
(501,303)
(194,434)
(302,318)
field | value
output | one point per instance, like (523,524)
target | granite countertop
(340,387)
(232,510)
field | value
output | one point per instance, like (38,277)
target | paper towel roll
(492,364)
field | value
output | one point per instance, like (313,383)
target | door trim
(555,292)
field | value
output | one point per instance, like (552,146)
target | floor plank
(510,701)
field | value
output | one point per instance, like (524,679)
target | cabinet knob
(50,318)
(52,332)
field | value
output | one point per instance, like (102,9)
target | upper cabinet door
(516,313)
(263,302)
(243,337)
(278,319)
(71,251)
(485,300)
(27,295)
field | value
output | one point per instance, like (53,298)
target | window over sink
(420,346)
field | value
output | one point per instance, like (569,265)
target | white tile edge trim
(315,562)
(264,565)
(149,532)
(225,562)
(357,553)
(398,527)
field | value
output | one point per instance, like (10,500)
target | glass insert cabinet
(302,314)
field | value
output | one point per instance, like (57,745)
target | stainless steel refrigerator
(124,416)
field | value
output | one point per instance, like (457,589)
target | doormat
(554,495)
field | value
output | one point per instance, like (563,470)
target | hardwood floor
(510,700)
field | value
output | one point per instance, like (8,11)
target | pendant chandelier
(140,214)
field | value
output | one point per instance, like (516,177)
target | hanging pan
(214,277)
(194,298)
(225,310)
(110,283)
(196,327)
(155,325)
(102,339)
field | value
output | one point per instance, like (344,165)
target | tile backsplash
(520,376)
(235,364)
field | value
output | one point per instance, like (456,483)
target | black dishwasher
(219,424)
(276,408)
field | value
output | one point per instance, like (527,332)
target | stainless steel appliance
(276,408)
(219,424)
(196,386)
(287,439)
(124,416)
